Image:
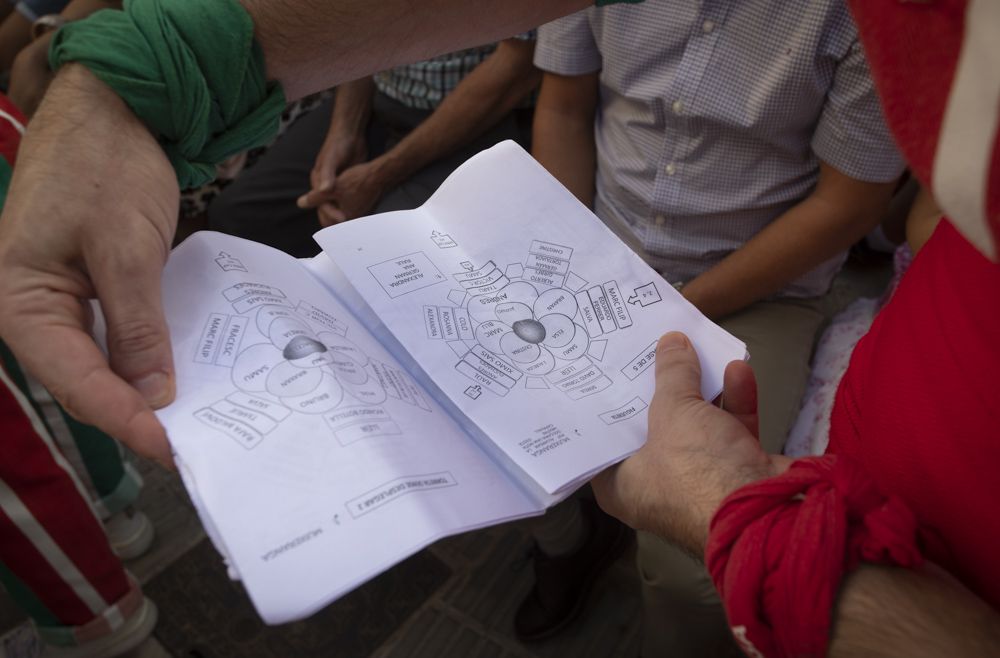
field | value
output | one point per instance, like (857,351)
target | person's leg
(780,336)
(104,468)
(55,560)
(575,542)
(682,613)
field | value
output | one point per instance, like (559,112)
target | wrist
(388,170)
(708,495)
(346,129)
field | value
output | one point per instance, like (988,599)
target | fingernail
(301,202)
(675,340)
(154,388)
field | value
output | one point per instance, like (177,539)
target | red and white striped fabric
(936,64)
(55,559)
(51,542)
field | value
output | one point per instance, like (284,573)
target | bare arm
(345,143)
(922,220)
(97,231)
(562,139)
(301,38)
(482,98)
(353,108)
(889,613)
(839,212)
(696,454)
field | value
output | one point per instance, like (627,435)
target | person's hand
(90,213)
(695,453)
(354,195)
(340,150)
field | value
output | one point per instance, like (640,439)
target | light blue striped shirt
(714,115)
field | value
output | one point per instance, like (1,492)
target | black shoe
(563,583)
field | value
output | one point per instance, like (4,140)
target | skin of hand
(340,151)
(91,221)
(354,194)
(489,92)
(345,145)
(695,453)
(93,204)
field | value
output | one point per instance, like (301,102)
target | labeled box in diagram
(406,274)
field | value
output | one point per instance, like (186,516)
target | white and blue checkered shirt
(425,84)
(713,116)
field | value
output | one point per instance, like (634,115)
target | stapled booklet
(432,371)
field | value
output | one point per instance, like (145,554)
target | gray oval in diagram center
(299,347)
(530,331)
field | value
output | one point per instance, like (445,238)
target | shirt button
(707,27)
(660,220)
(671,169)
(678,107)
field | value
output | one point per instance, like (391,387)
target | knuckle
(135,337)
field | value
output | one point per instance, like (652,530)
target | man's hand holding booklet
(432,371)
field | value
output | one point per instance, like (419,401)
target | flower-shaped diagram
(534,324)
(288,366)
(535,331)
(308,372)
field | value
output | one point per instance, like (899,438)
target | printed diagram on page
(534,324)
(288,357)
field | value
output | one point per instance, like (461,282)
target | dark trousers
(260,204)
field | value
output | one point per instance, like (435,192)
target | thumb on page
(139,347)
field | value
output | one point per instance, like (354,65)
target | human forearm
(491,91)
(352,108)
(311,45)
(888,612)
(562,139)
(43,319)
(836,215)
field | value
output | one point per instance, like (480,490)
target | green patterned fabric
(190,70)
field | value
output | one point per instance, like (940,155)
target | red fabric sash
(778,549)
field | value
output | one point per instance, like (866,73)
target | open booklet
(433,371)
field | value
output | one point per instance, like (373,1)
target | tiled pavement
(469,612)
(457,598)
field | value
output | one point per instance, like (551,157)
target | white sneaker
(131,634)
(130,533)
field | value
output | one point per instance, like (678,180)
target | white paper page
(318,460)
(327,273)
(535,320)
